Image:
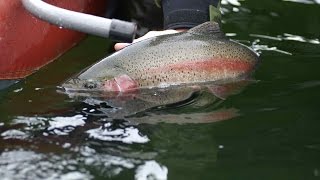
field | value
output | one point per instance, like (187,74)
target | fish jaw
(122,83)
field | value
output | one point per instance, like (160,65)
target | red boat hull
(27,43)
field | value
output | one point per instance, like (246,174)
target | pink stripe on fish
(210,65)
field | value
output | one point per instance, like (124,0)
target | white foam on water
(30,122)
(118,161)
(74,176)
(66,145)
(127,135)
(232,2)
(18,90)
(14,134)
(64,125)
(234,9)
(151,170)
(22,164)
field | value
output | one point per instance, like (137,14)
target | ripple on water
(261,47)
(305,1)
(288,37)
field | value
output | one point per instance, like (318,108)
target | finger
(119,46)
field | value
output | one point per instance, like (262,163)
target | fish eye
(90,85)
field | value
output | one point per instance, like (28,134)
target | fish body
(201,54)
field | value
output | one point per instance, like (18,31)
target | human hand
(119,46)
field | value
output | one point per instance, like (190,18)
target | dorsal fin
(208,28)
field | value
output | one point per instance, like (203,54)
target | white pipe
(95,25)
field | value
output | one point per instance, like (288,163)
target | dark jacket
(186,13)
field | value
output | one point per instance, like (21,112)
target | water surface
(266,130)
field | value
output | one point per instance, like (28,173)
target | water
(269,130)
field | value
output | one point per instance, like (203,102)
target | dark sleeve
(186,13)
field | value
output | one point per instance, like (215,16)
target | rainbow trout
(201,54)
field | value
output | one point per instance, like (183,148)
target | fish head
(112,80)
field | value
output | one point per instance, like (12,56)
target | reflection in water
(146,105)
(98,137)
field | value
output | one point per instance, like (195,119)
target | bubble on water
(18,90)
(66,145)
(234,9)
(231,34)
